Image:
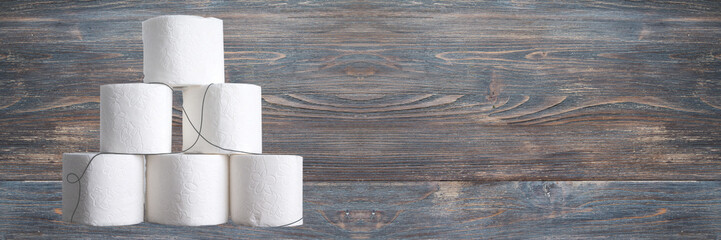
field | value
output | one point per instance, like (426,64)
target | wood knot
(360,72)
(361,220)
(537,55)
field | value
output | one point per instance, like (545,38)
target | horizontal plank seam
(465,181)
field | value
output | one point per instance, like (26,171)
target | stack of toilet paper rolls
(220,173)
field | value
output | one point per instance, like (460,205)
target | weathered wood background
(439,94)
(439,210)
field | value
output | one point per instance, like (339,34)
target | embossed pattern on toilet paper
(266,190)
(111,192)
(190,190)
(232,118)
(135,118)
(231,96)
(183,50)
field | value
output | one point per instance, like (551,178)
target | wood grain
(420,90)
(438,210)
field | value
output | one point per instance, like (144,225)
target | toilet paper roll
(187,189)
(135,118)
(266,190)
(182,50)
(111,193)
(231,118)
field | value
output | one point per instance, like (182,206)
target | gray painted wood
(523,91)
(496,210)
(397,90)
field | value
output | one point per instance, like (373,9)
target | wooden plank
(423,90)
(471,210)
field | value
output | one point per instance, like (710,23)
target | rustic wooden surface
(417,103)
(503,210)
(417,90)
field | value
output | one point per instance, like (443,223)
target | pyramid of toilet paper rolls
(136,178)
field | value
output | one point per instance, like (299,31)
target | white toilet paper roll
(183,50)
(231,118)
(111,191)
(187,189)
(266,190)
(135,118)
